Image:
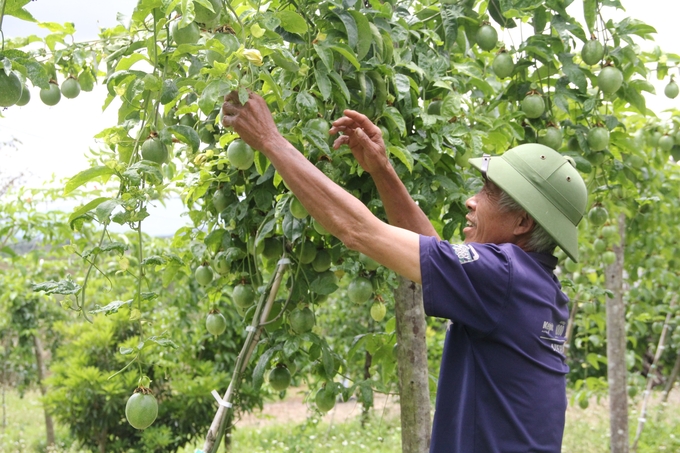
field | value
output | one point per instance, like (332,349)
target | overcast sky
(55,140)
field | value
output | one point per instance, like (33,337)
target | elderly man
(502,385)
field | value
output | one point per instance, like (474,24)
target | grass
(587,431)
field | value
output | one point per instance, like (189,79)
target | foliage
(416,70)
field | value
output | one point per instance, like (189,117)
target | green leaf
(327,360)
(450,15)
(292,22)
(126,63)
(169,272)
(350,26)
(169,91)
(496,13)
(403,154)
(590,14)
(262,363)
(87,176)
(16,8)
(340,83)
(85,209)
(322,81)
(346,52)
(8,250)
(165,342)
(104,210)
(212,94)
(112,307)
(357,343)
(395,117)
(325,55)
(324,284)
(66,286)
(365,34)
(573,71)
(284,59)
(186,134)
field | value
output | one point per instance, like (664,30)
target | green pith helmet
(547,186)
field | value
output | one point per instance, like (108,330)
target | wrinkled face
(486,221)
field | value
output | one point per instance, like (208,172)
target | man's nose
(470,203)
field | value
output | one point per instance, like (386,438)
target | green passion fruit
(70,88)
(360,290)
(25,97)
(598,216)
(671,91)
(185,35)
(203,15)
(297,209)
(204,275)
(592,52)
(609,79)
(503,65)
(533,106)
(378,311)
(243,295)
(598,138)
(324,399)
(486,37)
(301,320)
(322,261)
(306,252)
(279,377)
(11,89)
(666,142)
(154,149)
(240,154)
(51,95)
(552,138)
(141,410)
(216,323)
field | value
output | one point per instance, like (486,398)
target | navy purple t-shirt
(502,385)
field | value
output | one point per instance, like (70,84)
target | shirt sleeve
(466,283)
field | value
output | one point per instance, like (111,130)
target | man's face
(486,221)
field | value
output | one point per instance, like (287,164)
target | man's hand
(364,139)
(253,122)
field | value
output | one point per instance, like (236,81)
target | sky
(54,141)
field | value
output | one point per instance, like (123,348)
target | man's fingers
(232,98)
(362,121)
(342,140)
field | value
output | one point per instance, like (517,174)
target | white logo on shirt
(557,340)
(465,253)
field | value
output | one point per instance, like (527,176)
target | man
(502,380)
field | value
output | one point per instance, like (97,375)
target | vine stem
(140,277)
(219,423)
(2,34)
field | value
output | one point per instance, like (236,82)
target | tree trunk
(616,349)
(412,368)
(39,356)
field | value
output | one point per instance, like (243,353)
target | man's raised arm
(365,140)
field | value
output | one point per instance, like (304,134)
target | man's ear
(524,225)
